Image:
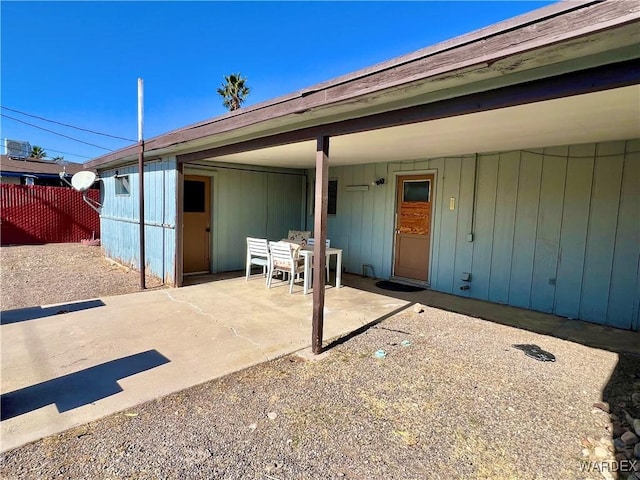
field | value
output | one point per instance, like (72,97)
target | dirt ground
(449,398)
(34,275)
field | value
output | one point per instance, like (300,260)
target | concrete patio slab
(66,365)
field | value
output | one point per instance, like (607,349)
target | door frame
(434,205)
(199,170)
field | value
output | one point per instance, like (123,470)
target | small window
(194,196)
(332,203)
(332,206)
(122,185)
(416,191)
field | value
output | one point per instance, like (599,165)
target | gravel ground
(458,402)
(61,272)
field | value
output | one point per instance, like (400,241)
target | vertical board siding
(448,226)
(624,278)
(379,218)
(554,168)
(504,227)
(386,262)
(356,200)
(437,207)
(120,216)
(525,231)
(369,175)
(247,203)
(555,229)
(463,248)
(344,216)
(603,220)
(484,223)
(573,236)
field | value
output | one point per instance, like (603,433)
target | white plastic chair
(311,243)
(258,254)
(282,260)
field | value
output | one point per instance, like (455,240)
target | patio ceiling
(594,117)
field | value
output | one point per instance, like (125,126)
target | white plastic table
(307,253)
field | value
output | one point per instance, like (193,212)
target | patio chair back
(282,260)
(257,254)
(311,243)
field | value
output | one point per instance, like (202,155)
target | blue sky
(78,62)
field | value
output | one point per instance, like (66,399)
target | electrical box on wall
(452,203)
(470,237)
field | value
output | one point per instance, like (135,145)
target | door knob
(208,229)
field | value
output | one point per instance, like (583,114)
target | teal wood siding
(504,227)
(462,249)
(555,229)
(526,228)
(249,203)
(448,223)
(547,248)
(484,223)
(601,237)
(573,239)
(120,217)
(625,271)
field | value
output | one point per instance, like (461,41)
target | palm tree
(38,152)
(233,91)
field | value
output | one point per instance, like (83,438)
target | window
(122,185)
(332,204)
(416,191)
(194,196)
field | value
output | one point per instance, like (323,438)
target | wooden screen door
(413,227)
(197,224)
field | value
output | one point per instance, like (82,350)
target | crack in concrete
(199,311)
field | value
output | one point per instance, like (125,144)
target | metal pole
(141,178)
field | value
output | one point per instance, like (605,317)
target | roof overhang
(594,117)
(551,42)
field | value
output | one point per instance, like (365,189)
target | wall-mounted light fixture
(378,182)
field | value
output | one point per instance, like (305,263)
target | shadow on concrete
(256,276)
(216,277)
(79,388)
(32,313)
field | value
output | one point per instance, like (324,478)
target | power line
(67,153)
(55,133)
(60,151)
(67,125)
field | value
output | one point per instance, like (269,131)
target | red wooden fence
(35,214)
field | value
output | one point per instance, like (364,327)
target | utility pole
(141,178)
